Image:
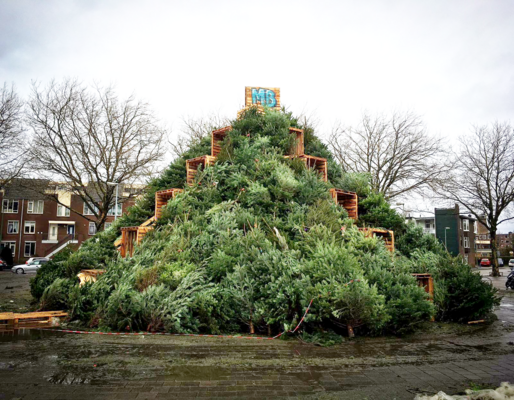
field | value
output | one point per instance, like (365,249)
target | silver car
(31,267)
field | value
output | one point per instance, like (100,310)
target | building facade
(427,223)
(483,242)
(456,232)
(34,225)
(505,240)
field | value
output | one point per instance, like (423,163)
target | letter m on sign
(258,96)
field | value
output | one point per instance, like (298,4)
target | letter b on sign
(265,97)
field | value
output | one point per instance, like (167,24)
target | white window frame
(8,206)
(33,207)
(111,210)
(29,224)
(15,224)
(11,245)
(465,224)
(88,211)
(60,212)
(466,242)
(91,225)
(475,227)
(107,225)
(25,254)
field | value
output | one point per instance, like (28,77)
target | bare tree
(194,131)
(12,135)
(88,138)
(483,178)
(395,151)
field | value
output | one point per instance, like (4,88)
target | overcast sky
(452,62)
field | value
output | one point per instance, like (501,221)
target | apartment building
(32,224)
(457,232)
(427,223)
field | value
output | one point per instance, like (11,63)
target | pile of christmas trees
(251,240)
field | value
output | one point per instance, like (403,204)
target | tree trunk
(494,254)
(269,330)
(252,329)
(351,334)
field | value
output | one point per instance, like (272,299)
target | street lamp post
(116,205)
(445,229)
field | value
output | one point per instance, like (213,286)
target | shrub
(55,296)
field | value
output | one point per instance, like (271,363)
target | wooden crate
(348,200)
(299,146)
(128,238)
(193,164)
(217,138)
(89,275)
(141,233)
(10,321)
(317,163)
(131,235)
(385,234)
(427,282)
(161,199)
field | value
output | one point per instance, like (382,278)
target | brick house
(33,224)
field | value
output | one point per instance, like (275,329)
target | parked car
(30,268)
(3,265)
(511,263)
(32,259)
(485,262)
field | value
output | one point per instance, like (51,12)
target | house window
(466,242)
(475,227)
(107,225)
(92,228)
(89,211)
(466,258)
(427,224)
(10,245)
(62,211)
(30,227)
(30,249)
(111,210)
(10,206)
(13,227)
(35,207)
(465,223)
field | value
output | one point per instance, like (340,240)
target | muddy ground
(40,364)
(15,292)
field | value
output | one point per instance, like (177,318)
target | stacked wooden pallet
(10,321)
(217,138)
(131,235)
(193,164)
(348,200)
(319,164)
(386,235)
(128,238)
(161,199)
(89,275)
(426,282)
